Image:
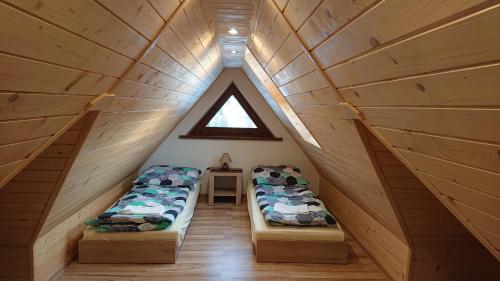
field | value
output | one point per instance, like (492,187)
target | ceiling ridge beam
(435,192)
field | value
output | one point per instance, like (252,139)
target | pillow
(164,175)
(278,175)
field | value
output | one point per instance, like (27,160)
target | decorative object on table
(224,161)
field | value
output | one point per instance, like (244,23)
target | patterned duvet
(143,208)
(299,206)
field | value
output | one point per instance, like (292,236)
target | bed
(159,246)
(301,244)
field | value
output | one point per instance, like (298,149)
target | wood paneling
(373,28)
(218,246)
(226,15)
(55,45)
(343,159)
(421,76)
(405,58)
(26,198)
(386,249)
(475,86)
(297,11)
(56,57)
(328,18)
(58,247)
(442,249)
(87,19)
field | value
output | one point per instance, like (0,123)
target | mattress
(263,231)
(176,231)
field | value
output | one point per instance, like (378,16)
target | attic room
(347,140)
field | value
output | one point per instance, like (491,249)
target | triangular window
(231,117)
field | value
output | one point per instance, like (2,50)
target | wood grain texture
(433,104)
(218,246)
(439,242)
(404,58)
(343,158)
(146,252)
(385,248)
(57,248)
(63,54)
(226,15)
(26,198)
(374,29)
(301,252)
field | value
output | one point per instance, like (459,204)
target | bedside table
(219,184)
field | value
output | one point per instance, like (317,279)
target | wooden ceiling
(430,95)
(226,15)
(397,97)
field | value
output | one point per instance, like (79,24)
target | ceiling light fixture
(232,31)
(233,52)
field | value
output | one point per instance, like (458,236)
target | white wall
(244,154)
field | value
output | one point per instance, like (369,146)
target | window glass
(231,115)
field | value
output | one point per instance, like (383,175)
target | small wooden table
(214,190)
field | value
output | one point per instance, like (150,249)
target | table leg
(210,190)
(238,190)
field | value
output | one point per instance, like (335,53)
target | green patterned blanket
(292,205)
(143,208)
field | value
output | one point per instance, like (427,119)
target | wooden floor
(218,247)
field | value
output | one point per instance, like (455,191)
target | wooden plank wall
(343,159)
(388,250)
(442,248)
(155,94)
(392,254)
(58,247)
(56,56)
(25,199)
(430,93)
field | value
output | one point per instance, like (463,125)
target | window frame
(201,131)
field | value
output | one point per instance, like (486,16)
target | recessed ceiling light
(233,52)
(232,31)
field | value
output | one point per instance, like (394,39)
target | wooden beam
(100,102)
(350,111)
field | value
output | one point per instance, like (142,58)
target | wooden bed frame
(92,251)
(301,251)
(287,248)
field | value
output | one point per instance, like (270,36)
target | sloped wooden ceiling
(408,73)
(343,160)
(57,56)
(402,69)
(62,59)
(226,15)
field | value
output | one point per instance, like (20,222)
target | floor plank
(218,247)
